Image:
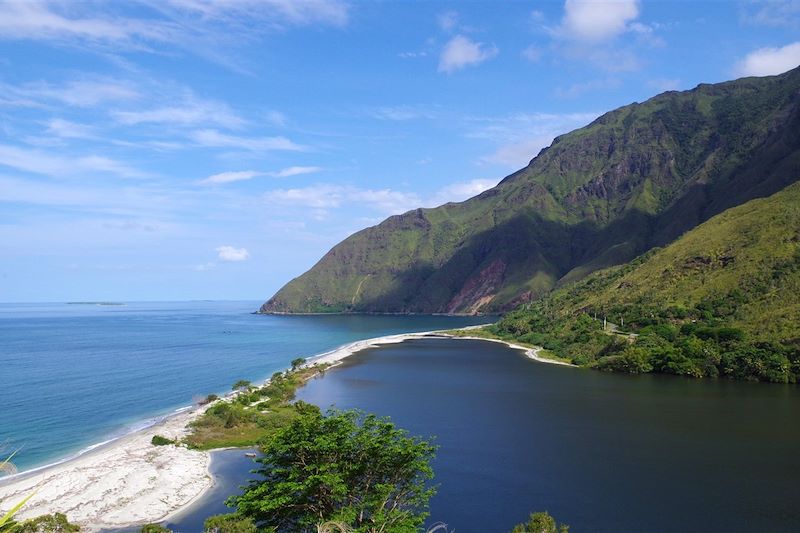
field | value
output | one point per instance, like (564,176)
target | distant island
(96,303)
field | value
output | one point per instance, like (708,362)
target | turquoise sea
(75,375)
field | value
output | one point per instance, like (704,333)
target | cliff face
(637,177)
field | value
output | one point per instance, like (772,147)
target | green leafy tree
(297,363)
(540,523)
(230,523)
(343,466)
(154,528)
(49,523)
(242,384)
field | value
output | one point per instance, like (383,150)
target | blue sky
(190,149)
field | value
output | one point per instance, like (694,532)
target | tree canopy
(343,466)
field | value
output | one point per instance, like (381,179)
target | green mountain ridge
(635,178)
(723,299)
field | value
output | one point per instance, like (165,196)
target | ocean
(77,375)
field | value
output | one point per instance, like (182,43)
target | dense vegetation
(50,523)
(540,523)
(720,301)
(342,467)
(253,414)
(635,178)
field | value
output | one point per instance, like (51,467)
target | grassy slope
(729,288)
(635,178)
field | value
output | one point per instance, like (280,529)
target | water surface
(76,375)
(601,452)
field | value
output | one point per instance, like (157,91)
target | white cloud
(320,198)
(37,20)
(76,93)
(412,55)
(776,13)
(294,171)
(69,130)
(521,136)
(597,20)
(193,111)
(215,139)
(39,162)
(664,84)
(448,20)
(243,175)
(460,52)
(230,253)
(229,177)
(769,61)
(592,86)
(323,196)
(401,113)
(532,53)
(460,191)
(275,13)
(181,23)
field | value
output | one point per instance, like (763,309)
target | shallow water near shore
(601,452)
(77,375)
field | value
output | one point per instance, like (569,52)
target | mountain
(723,299)
(635,178)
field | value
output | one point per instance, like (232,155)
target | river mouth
(601,452)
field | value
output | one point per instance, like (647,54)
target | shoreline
(127,482)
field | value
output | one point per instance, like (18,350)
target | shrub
(158,440)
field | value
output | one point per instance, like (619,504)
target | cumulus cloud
(597,21)
(230,253)
(461,52)
(769,61)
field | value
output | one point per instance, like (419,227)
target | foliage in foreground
(343,467)
(540,523)
(229,523)
(50,523)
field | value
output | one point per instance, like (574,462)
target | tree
(242,384)
(540,523)
(297,363)
(229,523)
(49,523)
(343,466)
(154,528)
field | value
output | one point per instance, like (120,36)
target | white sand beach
(131,482)
(126,482)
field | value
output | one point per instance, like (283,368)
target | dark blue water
(75,375)
(601,452)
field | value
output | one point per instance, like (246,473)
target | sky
(197,149)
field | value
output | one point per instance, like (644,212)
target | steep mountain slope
(635,178)
(722,299)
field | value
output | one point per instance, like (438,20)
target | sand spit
(130,482)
